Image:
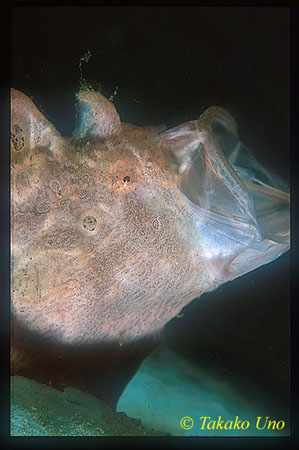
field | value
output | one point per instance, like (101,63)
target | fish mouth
(269,193)
(270,200)
(242,207)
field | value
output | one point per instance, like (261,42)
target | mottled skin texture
(106,247)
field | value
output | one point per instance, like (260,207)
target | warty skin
(115,230)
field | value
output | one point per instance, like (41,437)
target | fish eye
(126,179)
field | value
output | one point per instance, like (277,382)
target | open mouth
(242,207)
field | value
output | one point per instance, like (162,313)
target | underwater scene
(150,222)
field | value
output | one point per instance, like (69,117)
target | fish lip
(270,196)
(269,193)
(271,207)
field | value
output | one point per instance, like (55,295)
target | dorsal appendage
(96,116)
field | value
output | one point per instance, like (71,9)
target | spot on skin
(124,176)
(17,138)
(90,223)
(156,224)
(83,193)
(42,207)
(70,169)
(55,186)
(65,203)
(85,177)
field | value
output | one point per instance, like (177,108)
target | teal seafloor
(39,410)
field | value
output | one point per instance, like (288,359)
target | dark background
(169,64)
